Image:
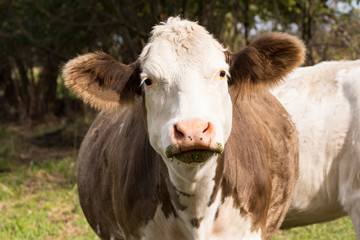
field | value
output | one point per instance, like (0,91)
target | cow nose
(193,134)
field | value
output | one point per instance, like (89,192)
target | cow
(324,102)
(189,144)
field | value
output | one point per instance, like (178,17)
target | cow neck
(197,192)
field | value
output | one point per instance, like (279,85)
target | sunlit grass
(339,229)
(41,202)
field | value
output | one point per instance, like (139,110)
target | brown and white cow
(173,154)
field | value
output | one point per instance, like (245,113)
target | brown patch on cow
(259,166)
(265,62)
(195,222)
(102,81)
(109,191)
(246,174)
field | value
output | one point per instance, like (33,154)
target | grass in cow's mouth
(195,155)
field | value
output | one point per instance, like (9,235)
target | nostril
(206,129)
(178,132)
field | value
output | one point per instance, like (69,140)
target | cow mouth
(194,154)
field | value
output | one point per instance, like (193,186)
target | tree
(37,37)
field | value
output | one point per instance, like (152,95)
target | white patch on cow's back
(349,166)
(323,101)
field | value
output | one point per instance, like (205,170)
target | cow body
(190,144)
(324,103)
(125,190)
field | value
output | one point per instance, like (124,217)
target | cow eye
(222,74)
(148,82)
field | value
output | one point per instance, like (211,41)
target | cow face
(183,75)
(184,80)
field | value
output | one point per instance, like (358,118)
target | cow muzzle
(193,141)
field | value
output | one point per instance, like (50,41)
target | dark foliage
(37,37)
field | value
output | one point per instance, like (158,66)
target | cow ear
(265,62)
(103,82)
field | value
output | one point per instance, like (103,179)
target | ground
(38,194)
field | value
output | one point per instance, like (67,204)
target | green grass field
(38,195)
(40,202)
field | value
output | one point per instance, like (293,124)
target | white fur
(229,225)
(184,60)
(198,182)
(324,102)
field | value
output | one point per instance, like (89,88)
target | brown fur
(102,81)
(259,167)
(195,222)
(141,177)
(265,62)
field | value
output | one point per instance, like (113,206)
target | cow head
(183,76)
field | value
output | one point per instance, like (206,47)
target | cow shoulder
(116,161)
(261,160)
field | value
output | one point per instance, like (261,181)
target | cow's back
(324,103)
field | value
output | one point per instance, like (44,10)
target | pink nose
(193,134)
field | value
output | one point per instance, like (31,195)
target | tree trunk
(46,89)
(306,31)
(9,98)
(246,21)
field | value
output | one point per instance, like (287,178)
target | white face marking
(181,78)
(184,66)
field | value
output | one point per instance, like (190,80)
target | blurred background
(38,36)
(42,124)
